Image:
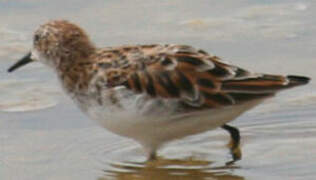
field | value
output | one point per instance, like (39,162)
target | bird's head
(56,43)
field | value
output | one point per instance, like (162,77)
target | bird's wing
(192,76)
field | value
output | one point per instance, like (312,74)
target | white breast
(154,122)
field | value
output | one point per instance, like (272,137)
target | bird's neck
(75,74)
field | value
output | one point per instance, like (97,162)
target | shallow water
(44,136)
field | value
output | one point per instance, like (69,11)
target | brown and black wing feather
(200,80)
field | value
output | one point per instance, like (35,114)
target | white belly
(154,123)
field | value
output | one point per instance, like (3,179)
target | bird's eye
(36,38)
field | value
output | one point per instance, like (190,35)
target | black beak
(25,60)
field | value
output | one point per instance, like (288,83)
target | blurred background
(44,136)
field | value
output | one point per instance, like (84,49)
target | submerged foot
(236,155)
(152,157)
(234,144)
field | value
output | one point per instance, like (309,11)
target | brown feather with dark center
(171,72)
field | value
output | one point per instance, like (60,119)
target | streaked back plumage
(191,75)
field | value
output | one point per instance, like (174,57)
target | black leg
(152,156)
(234,142)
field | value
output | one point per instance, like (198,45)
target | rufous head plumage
(58,42)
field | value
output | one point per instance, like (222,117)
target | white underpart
(155,122)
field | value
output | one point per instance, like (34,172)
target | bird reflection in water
(167,169)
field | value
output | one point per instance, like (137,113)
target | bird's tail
(297,80)
(264,83)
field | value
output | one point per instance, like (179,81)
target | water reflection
(171,169)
